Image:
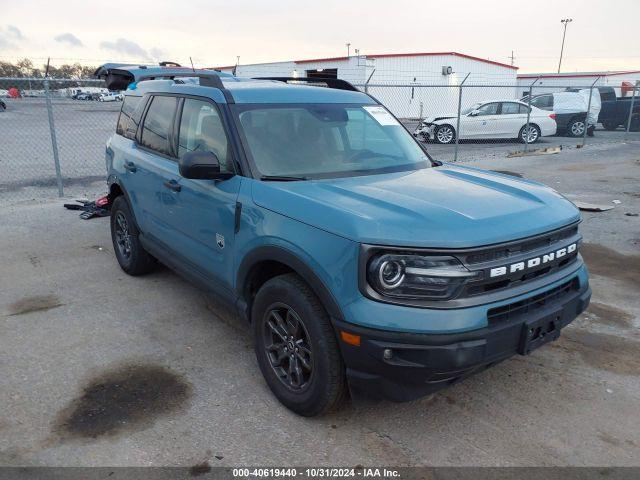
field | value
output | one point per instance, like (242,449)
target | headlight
(415,276)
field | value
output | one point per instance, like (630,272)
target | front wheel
(529,134)
(576,128)
(296,347)
(445,134)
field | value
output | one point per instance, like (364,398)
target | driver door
(484,124)
(200,214)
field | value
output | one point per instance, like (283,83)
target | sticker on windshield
(381,115)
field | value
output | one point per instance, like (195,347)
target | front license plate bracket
(536,333)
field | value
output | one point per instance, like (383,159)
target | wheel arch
(266,262)
(116,189)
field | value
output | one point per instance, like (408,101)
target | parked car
(110,97)
(570,110)
(3,106)
(615,110)
(359,263)
(83,96)
(493,119)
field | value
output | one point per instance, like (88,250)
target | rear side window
(509,108)
(201,130)
(124,120)
(523,109)
(158,123)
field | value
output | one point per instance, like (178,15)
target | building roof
(435,54)
(578,74)
(390,55)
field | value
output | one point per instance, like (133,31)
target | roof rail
(206,79)
(336,83)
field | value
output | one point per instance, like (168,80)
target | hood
(447,207)
(440,117)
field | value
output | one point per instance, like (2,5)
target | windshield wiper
(281,178)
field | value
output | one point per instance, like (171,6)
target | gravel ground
(73,326)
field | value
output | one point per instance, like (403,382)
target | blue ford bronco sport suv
(360,264)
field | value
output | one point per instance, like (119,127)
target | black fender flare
(114,180)
(291,260)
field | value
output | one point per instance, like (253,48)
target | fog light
(387,354)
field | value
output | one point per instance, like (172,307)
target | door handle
(130,166)
(172,185)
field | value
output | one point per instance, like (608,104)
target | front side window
(158,123)
(488,109)
(327,140)
(201,130)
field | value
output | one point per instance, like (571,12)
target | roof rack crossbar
(336,83)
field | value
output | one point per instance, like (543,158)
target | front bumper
(420,363)
(426,131)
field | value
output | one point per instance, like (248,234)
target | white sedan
(110,97)
(495,119)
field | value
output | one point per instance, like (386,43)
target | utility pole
(565,22)
(512,57)
(348,49)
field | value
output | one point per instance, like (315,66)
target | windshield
(326,140)
(470,109)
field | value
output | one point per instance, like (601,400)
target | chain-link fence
(53,135)
(467,121)
(54,131)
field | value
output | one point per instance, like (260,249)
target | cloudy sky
(602,36)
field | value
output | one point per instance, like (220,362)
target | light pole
(565,22)
(348,49)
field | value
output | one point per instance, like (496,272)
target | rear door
(153,164)
(512,118)
(200,214)
(484,124)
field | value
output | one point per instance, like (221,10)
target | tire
(131,256)
(635,123)
(609,125)
(445,134)
(532,136)
(576,128)
(286,315)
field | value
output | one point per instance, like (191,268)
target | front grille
(523,307)
(498,284)
(484,259)
(491,254)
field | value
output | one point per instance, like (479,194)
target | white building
(621,81)
(409,84)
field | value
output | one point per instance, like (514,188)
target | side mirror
(474,113)
(201,166)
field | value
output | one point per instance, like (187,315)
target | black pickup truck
(615,110)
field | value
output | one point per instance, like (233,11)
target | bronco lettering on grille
(533,262)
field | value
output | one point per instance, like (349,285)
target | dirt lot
(78,336)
